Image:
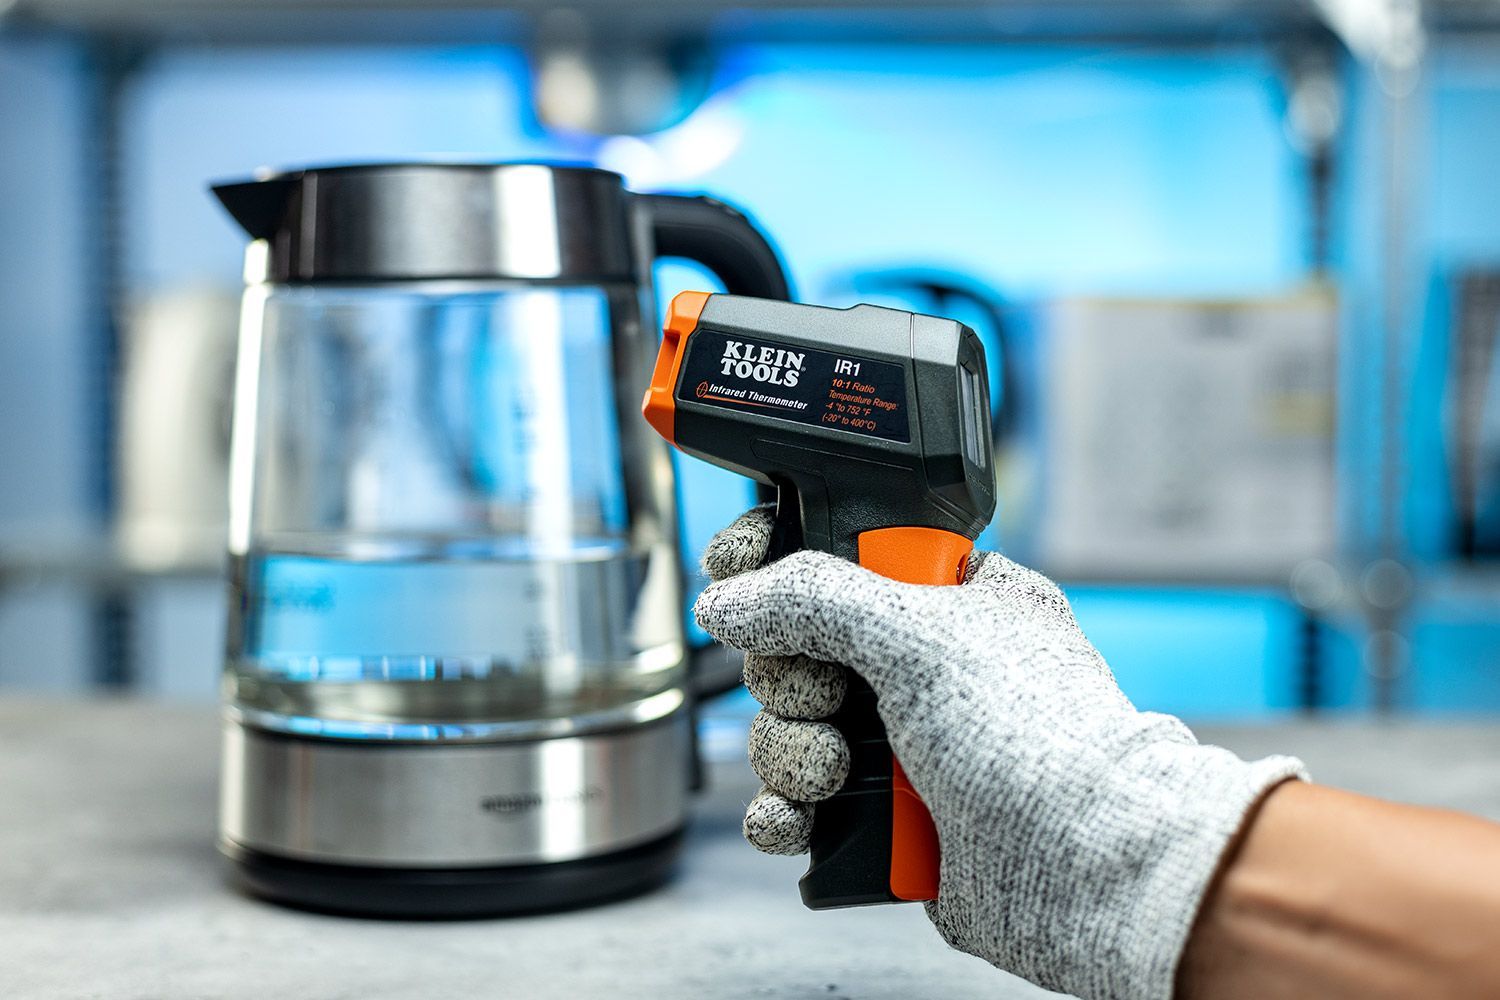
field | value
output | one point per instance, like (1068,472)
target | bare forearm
(1331,895)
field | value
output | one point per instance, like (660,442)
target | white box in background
(1186,439)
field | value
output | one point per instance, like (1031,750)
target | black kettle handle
(723,240)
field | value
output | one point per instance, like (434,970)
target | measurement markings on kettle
(809,386)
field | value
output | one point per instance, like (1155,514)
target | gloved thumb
(742,546)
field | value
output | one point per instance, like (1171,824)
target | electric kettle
(455,677)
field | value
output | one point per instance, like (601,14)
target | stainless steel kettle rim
(558,166)
(436,220)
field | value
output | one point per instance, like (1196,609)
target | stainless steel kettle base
(454,893)
(454,805)
(454,830)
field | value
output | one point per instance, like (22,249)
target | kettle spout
(260,206)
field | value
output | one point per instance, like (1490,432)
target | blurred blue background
(1064,172)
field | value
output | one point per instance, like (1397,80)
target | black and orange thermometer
(874,426)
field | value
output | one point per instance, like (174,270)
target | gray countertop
(110,885)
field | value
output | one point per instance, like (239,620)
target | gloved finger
(1019,589)
(795,687)
(821,606)
(805,761)
(986,568)
(742,546)
(807,602)
(774,824)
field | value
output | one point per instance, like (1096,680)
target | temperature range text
(855,405)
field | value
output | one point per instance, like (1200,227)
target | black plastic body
(846,483)
(835,484)
(850,856)
(942,290)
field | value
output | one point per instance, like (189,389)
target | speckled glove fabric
(1078,834)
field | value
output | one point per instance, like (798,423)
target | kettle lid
(426,221)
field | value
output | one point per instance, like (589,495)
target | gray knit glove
(1078,834)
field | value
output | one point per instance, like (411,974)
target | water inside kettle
(442,637)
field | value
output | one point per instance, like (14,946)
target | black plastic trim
(453,893)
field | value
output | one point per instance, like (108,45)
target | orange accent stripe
(915,858)
(916,555)
(659,407)
(927,556)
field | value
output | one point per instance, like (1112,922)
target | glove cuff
(1199,798)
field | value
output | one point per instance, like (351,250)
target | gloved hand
(1078,834)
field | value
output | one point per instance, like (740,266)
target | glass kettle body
(456,647)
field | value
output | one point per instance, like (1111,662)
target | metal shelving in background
(815,20)
(491,21)
(1387,37)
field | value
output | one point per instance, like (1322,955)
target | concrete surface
(110,885)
